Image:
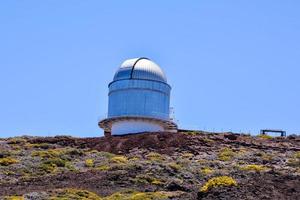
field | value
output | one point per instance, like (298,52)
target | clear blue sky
(233,65)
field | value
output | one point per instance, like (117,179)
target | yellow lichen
(218,182)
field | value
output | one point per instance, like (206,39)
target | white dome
(140,68)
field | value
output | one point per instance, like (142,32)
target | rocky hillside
(186,165)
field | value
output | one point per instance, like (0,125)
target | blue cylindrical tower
(139,99)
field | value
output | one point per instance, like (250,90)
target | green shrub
(48,167)
(226,154)
(14,198)
(17,140)
(264,136)
(267,157)
(75,194)
(8,172)
(153,156)
(38,146)
(148,179)
(192,133)
(4,154)
(253,167)
(157,182)
(71,167)
(218,182)
(106,154)
(175,166)
(207,140)
(207,170)
(8,161)
(119,159)
(51,153)
(75,152)
(294,161)
(56,161)
(132,195)
(103,168)
(187,155)
(89,163)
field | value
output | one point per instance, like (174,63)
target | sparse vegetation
(176,164)
(75,194)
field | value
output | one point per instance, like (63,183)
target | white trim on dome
(140,68)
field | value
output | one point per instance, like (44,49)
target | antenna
(172,113)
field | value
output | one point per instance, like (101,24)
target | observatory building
(139,100)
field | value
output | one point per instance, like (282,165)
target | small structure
(139,100)
(265,131)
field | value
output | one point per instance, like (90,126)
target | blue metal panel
(135,97)
(123,73)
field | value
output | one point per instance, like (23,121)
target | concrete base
(135,126)
(132,125)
